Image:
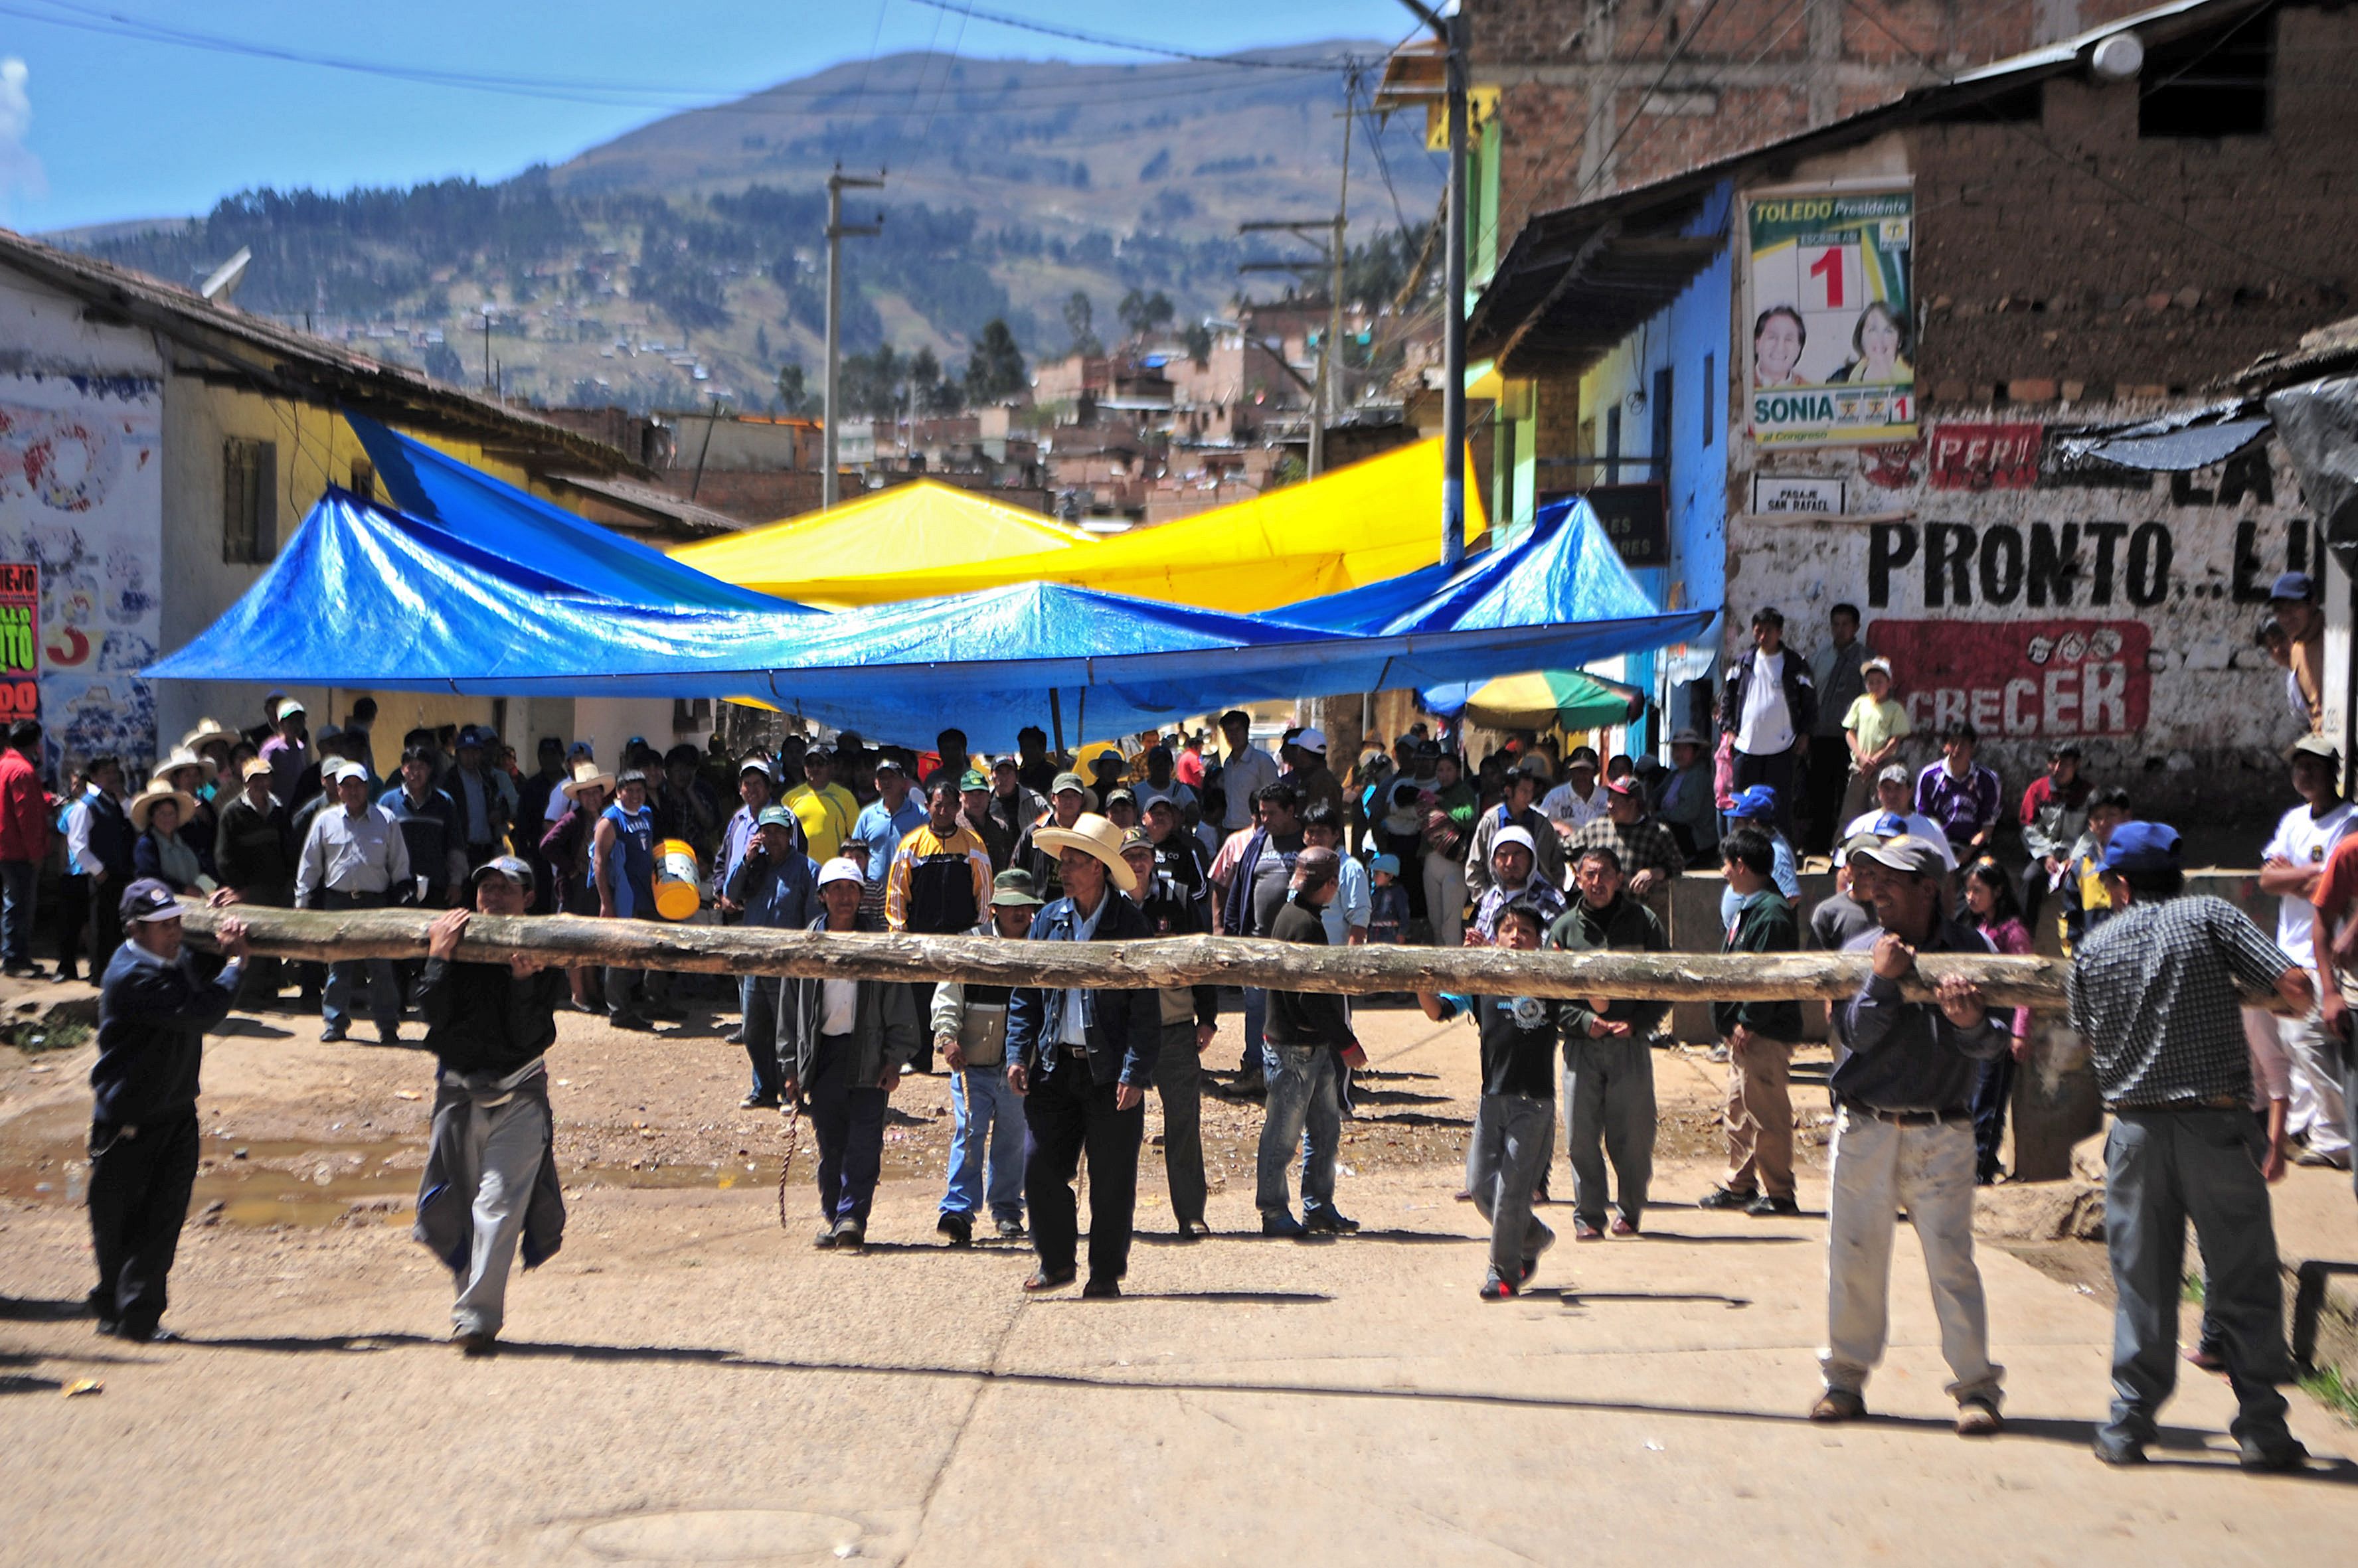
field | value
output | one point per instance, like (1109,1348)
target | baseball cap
(1895,773)
(1069,781)
(1014,886)
(1009,763)
(841,871)
(291,706)
(2292,585)
(1137,838)
(1583,757)
(1890,824)
(1164,803)
(1686,738)
(1386,862)
(1870,665)
(1760,800)
(974,778)
(2313,746)
(775,816)
(348,770)
(1917,856)
(508,866)
(1123,793)
(256,767)
(2142,846)
(1311,740)
(753,762)
(1625,785)
(886,764)
(148,899)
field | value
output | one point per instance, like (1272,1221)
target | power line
(1678,52)
(1024,24)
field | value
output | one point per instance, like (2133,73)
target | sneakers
(957,1228)
(1283,1225)
(1978,1418)
(1495,1288)
(1841,1404)
(1767,1207)
(1727,1197)
(758,1102)
(850,1236)
(1329,1220)
(1011,1230)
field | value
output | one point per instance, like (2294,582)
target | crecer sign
(2021,679)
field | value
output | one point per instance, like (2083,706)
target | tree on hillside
(1199,344)
(994,372)
(443,364)
(1079,314)
(1142,312)
(795,399)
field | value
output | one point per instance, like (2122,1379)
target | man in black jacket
(1082,1060)
(153,1013)
(1191,1017)
(490,1172)
(1300,1038)
(1608,1052)
(253,856)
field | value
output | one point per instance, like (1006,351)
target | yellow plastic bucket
(678,894)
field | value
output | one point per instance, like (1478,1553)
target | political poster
(1829,291)
(20,641)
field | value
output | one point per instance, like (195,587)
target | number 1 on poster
(1826,276)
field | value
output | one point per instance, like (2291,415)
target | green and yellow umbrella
(1541,700)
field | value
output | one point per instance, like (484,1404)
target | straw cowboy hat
(1093,835)
(144,804)
(207,730)
(182,756)
(584,775)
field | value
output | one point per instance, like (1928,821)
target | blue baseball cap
(2142,846)
(1384,863)
(1760,800)
(1890,824)
(2292,585)
(148,899)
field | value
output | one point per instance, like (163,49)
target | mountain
(687,256)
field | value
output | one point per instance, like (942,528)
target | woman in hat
(192,775)
(156,813)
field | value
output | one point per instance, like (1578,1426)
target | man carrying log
(490,1169)
(1083,1060)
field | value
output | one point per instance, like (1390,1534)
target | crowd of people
(1532,850)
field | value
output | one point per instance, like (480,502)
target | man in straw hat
(490,1169)
(970,1027)
(842,1047)
(355,857)
(565,847)
(1082,1059)
(152,1012)
(24,843)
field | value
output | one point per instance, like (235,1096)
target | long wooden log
(322,934)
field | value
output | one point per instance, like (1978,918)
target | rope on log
(324,934)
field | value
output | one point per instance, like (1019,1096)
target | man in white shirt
(355,858)
(1768,704)
(2289,868)
(1247,771)
(1577,802)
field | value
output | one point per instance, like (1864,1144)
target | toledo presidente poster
(1828,287)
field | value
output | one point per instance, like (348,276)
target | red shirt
(2337,886)
(24,809)
(1188,766)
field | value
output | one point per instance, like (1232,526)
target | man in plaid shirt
(1646,849)
(2153,992)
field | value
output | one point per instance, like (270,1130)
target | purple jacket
(1963,807)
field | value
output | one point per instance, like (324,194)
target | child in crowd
(1514,1124)
(1387,902)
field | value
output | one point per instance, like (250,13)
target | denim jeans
(1878,1168)
(1249,1064)
(384,984)
(757,1006)
(20,881)
(2161,1169)
(1508,1151)
(1302,1112)
(987,1114)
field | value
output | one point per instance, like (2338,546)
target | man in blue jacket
(153,1013)
(1083,1060)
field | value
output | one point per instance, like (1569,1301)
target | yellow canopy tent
(1359,525)
(824,557)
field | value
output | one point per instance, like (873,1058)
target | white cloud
(20,170)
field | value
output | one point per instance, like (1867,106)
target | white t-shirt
(838,1000)
(1562,804)
(1766,726)
(2305,840)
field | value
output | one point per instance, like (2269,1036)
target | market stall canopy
(478,513)
(363,598)
(1542,699)
(830,558)
(1360,524)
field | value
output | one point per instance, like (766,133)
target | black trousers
(105,924)
(1066,1113)
(1829,775)
(73,923)
(139,1184)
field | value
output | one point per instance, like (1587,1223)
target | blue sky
(95,126)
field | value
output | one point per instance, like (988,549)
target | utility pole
(837,229)
(1330,261)
(488,312)
(1456,38)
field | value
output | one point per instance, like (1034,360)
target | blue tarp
(364,599)
(468,513)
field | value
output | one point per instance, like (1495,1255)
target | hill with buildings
(685,259)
